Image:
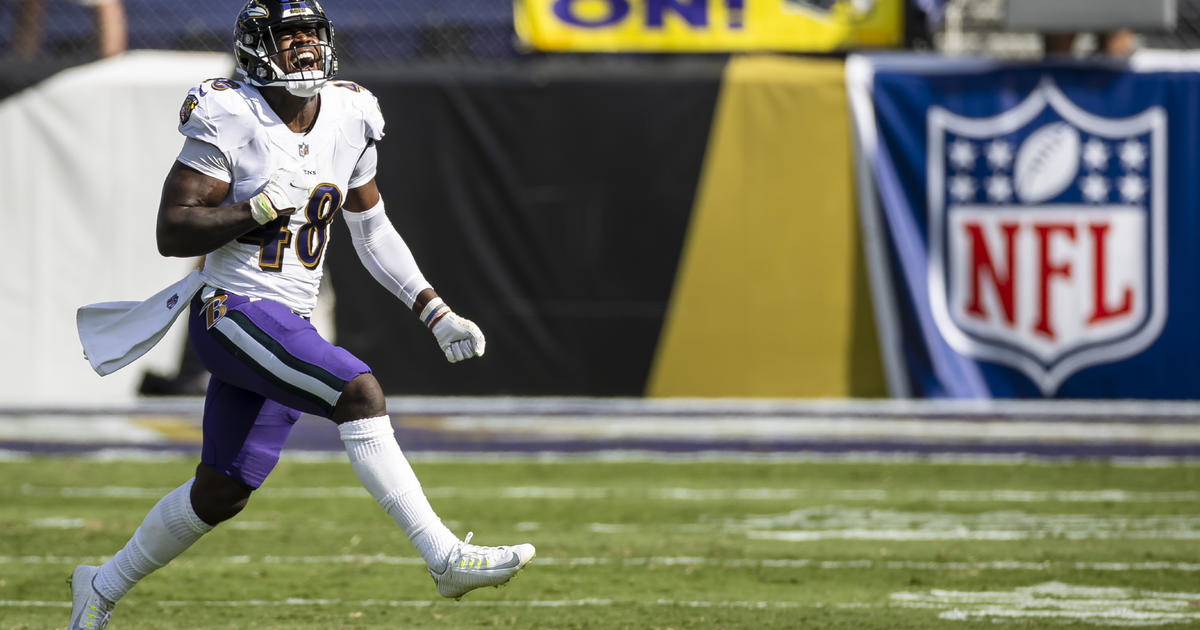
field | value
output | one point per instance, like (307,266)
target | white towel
(115,334)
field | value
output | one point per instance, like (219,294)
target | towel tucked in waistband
(115,334)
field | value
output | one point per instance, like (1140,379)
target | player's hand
(284,193)
(458,337)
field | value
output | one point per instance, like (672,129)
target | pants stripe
(276,348)
(267,357)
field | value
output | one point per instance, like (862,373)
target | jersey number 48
(274,238)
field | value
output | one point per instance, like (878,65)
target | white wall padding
(83,156)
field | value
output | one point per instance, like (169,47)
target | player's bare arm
(362,198)
(191,221)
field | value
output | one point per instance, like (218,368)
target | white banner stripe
(776,428)
(1185,411)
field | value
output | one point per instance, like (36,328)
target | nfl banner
(1031,230)
(708,25)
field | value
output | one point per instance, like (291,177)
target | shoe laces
(477,557)
(98,613)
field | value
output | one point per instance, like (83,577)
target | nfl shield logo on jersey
(303,149)
(1047,234)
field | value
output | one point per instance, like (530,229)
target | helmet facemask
(263,64)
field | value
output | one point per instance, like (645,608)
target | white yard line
(1100,605)
(1054,600)
(1066,496)
(822,521)
(375,603)
(1135,611)
(979,535)
(658,561)
(1116,616)
(839,522)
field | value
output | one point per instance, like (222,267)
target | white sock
(169,528)
(386,474)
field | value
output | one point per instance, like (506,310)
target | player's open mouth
(305,59)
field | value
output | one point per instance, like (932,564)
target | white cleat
(471,566)
(89,611)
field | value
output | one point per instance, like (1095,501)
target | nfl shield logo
(303,149)
(172,301)
(1047,234)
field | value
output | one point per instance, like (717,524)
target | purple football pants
(268,365)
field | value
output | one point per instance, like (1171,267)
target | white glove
(457,336)
(284,193)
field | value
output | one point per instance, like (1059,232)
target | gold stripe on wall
(770,297)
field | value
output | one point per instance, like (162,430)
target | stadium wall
(672,229)
(84,156)
(679,228)
(770,299)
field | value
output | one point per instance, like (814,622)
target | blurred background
(483,31)
(854,313)
(801,200)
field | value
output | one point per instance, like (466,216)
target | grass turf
(684,544)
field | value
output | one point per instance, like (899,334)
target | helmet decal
(296,8)
(254,10)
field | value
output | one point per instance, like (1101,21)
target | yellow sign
(708,25)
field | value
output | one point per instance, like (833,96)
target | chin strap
(296,83)
(300,85)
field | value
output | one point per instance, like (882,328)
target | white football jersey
(284,259)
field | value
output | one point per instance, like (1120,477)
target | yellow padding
(770,298)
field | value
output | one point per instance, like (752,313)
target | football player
(269,159)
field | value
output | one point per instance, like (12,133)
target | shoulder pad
(216,112)
(363,116)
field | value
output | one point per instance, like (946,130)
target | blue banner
(1032,228)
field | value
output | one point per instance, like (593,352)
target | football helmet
(259,60)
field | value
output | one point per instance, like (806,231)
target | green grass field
(688,544)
